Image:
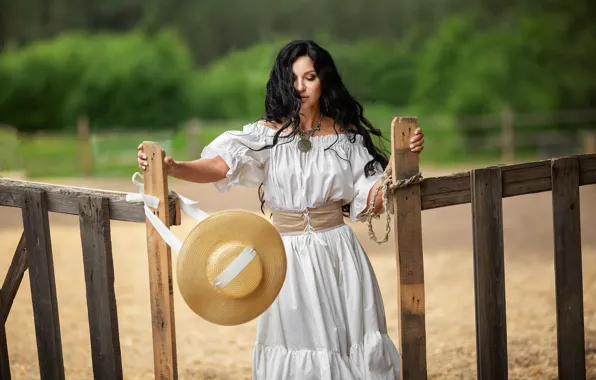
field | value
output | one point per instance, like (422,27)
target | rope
(387,186)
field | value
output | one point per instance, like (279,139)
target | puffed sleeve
(239,150)
(359,157)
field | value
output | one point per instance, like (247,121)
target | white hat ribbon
(191,209)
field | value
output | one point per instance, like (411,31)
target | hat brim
(226,228)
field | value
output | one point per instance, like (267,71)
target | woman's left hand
(417,142)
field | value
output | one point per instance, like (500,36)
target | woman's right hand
(169,163)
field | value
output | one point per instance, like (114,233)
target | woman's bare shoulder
(269,124)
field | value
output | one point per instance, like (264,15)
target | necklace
(304,145)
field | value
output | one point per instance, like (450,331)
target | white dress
(328,322)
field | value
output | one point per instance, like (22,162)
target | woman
(314,156)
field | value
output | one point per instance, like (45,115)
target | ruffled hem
(376,358)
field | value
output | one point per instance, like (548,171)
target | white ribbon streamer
(190,208)
(167,235)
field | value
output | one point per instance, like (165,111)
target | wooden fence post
(43,284)
(589,142)
(160,269)
(507,136)
(568,269)
(193,130)
(410,266)
(94,219)
(84,135)
(489,273)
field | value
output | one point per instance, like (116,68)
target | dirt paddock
(207,351)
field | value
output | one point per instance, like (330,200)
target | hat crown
(246,282)
(231,267)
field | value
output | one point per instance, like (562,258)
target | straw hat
(251,252)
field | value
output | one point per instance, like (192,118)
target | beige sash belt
(319,218)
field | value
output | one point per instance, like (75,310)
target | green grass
(114,154)
(9,143)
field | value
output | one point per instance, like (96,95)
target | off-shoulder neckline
(330,138)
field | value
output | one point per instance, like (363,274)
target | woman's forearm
(204,170)
(379,198)
(378,205)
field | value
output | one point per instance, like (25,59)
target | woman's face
(306,81)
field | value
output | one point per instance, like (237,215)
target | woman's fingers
(141,158)
(417,136)
(417,143)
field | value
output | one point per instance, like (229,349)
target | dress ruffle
(375,358)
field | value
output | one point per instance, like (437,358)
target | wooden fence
(483,188)
(95,209)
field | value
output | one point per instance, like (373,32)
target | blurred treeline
(157,63)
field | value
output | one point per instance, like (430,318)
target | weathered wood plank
(160,271)
(13,278)
(518,179)
(64,199)
(408,237)
(43,285)
(445,184)
(568,269)
(99,279)
(489,274)
(4,360)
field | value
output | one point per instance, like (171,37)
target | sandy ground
(207,351)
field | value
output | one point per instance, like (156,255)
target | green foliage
(529,64)
(234,86)
(136,80)
(464,64)
(376,69)
(115,80)
(36,82)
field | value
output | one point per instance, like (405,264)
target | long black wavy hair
(283,102)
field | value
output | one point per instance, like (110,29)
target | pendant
(304,145)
